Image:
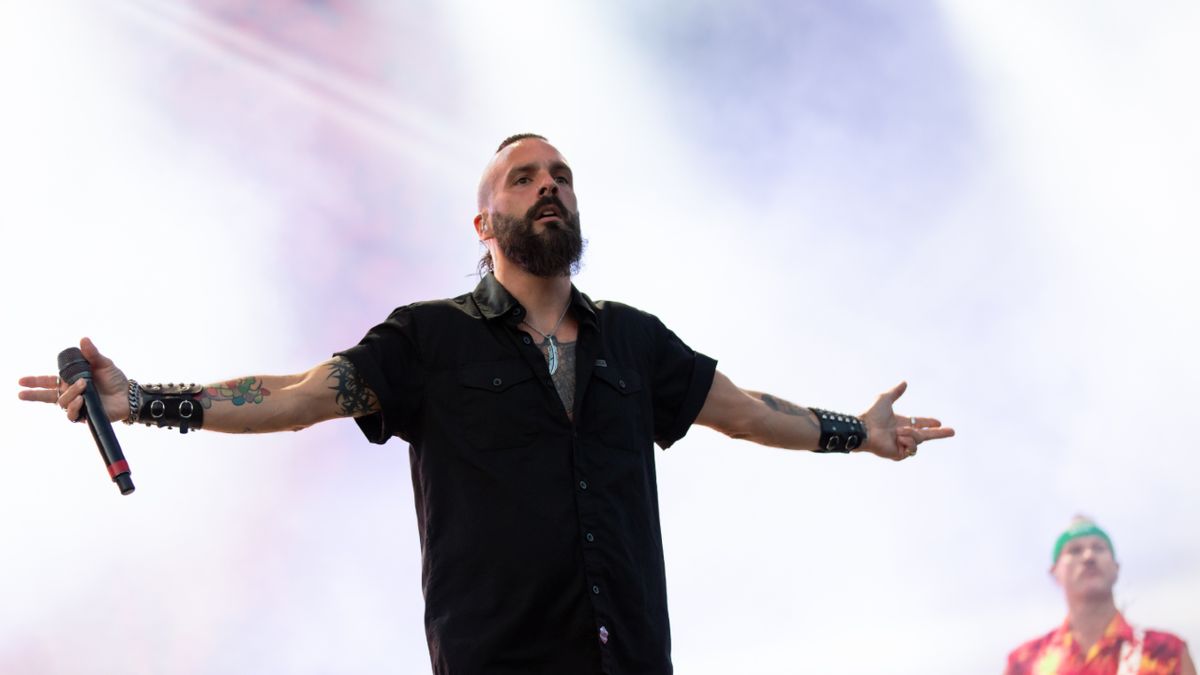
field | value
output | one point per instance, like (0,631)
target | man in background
(1095,639)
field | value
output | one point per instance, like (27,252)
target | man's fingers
(74,409)
(43,388)
(922,422)
(72,393)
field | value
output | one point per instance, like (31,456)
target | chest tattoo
(564,375)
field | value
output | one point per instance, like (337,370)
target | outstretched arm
(770,420)
(254,404)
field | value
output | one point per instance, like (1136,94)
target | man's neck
(544,298)
(1089,617)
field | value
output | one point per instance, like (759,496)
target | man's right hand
(110,383)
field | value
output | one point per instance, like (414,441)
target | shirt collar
(1117,630)
(494,301)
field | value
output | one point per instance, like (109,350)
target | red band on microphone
(117,468)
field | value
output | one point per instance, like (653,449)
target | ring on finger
(912,421)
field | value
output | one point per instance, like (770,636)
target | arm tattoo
(352,395)
(240,392)
(789,408)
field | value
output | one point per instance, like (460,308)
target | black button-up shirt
(540,538)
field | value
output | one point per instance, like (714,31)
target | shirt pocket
(616,407)
(500,403)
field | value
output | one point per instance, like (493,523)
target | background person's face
(1086,568)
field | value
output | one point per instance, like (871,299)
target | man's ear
(482,228)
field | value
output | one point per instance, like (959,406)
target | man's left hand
(896,437)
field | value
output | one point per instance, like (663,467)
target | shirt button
(497,382)
(583,485)
(621,383)
(518,312)
(595,590)
(589,537)
(526,339)
(603,635)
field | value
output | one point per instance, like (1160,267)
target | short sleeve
(387,359)
(681,381)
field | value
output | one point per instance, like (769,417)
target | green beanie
(1080,527)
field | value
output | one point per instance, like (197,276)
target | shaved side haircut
(518,137)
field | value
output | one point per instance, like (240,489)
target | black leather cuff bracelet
(170,406)
(840,433)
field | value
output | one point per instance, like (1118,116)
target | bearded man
(531,413)
(1095,639)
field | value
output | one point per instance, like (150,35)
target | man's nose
(548,187)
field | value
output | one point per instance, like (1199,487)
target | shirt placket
(587,499)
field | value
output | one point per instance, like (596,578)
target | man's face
(532,212)
(1086,568)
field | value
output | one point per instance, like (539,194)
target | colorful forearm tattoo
(240,392)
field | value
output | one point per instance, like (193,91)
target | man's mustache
(548,200)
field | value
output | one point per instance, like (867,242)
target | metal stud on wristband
(135,400)
(839,433)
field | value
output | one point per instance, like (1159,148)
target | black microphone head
(72,365)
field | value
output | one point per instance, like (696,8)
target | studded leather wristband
(170,405)
(840,433)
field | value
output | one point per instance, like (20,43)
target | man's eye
(562,180)
(522,180)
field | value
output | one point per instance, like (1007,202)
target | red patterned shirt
(1057,653)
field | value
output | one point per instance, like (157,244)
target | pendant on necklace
(551,354)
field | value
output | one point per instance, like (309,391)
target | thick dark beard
(555,252)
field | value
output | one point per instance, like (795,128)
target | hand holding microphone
(73,368)
(83,371)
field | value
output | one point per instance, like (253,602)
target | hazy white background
(995,201)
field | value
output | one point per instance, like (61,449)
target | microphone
(71,367)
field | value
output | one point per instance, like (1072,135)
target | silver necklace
(551,341)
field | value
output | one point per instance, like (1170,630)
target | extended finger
(922,435)
(922,422)
(43,395)
(42,381)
